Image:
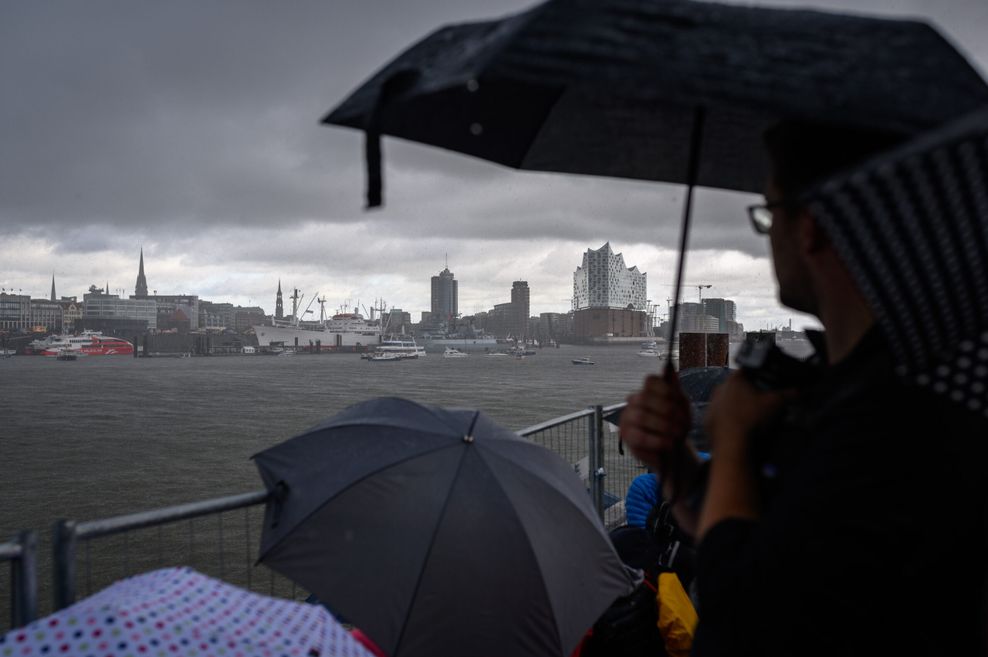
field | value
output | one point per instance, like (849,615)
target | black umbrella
(438,532)
(627,88)
(611,87)
(912,226)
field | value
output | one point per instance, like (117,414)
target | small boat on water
(67,354)
(403,345)
(583,361)
(497,354)
(453,352)
(649,353)
(389,356)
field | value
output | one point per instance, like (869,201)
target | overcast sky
(191,129)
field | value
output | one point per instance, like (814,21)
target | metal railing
(581,438)
(22,553)
(584,439)
(68,535)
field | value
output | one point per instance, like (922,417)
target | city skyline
(211,158)
(444,285)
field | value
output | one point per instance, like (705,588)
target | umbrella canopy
(438,532)
(611,87)
(177,611)
(912,226)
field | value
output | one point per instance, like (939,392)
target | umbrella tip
(468,439)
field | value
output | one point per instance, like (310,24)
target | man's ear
(812,239)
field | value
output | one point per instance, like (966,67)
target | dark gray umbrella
(438,532)
(611,87)
(912,226)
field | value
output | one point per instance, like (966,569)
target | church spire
(279,308)
(53,286)
(141,289)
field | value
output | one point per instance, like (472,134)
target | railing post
(596,454)
(63,560)
(24,580)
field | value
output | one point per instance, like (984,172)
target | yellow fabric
(677,617)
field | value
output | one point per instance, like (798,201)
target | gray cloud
(192,129)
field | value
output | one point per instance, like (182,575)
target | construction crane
(699,292)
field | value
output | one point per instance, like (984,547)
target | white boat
(65,353)
(497,354)
(403,345)
(583,361)
(382,355)
(649,353)
(650,344)
(453,352)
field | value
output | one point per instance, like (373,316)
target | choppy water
(103,436)
(107,435)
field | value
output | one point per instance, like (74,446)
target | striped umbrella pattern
(912,227)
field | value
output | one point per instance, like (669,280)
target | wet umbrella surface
(438,532)
(611,87)
(912,226)
(177,611)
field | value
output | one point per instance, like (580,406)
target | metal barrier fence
(229,550)
(22,553)
(590,443)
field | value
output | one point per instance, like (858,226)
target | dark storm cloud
(169,119)
(141,113)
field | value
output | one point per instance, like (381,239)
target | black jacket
(872,536)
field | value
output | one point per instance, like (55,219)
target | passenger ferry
(403,347)
(89,343)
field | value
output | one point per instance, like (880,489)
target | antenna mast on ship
(295,297)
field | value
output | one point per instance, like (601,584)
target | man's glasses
(761,215)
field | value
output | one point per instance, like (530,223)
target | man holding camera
(842,514)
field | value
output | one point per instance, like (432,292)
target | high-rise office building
(724,310)
(520,308)
(444,298)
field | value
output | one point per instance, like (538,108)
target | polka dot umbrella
(912,226)
(178,612)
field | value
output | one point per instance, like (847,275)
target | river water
(103,436)
(107,435)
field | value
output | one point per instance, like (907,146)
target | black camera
(770,368)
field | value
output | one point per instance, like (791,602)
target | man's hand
(736,410)
(656,420)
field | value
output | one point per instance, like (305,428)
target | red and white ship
(89,343)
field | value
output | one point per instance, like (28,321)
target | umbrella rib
(321,505)
(428,553)
(528,542)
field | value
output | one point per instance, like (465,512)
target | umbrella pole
(693,166)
